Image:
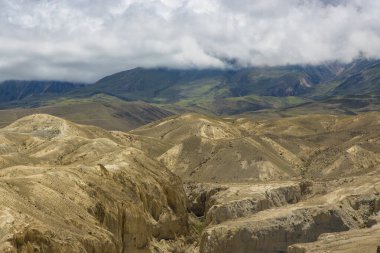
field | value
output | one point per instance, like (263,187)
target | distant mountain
(158,85)
(162,85)
(19,90)
(365,81)
(139,95)
(101,110)
(170,85)
(173,85)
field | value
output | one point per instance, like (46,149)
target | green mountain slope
(115,101)
(164,85)
(11,91)
(101,110)
(365,81)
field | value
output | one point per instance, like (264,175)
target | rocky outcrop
(357,240)
(275,229)
(222,202)
(244,200)
(272,231)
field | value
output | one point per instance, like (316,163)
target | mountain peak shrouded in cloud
(84,40)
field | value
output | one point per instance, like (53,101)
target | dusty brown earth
(71,188)
(206,149)
(300,184)
(264,185)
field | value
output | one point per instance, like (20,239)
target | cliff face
(347,207)
(71,188)
(357,240)
(223,202)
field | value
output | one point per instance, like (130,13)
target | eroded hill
(72,188)
(264,185)
(233,150)
(192,183)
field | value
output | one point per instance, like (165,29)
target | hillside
(243,185)
(224,151)
(262,185)
(240,91)
(17,91)
(72,188)
(115,101)
(170,85)
(229,150)
(366,81)
(104,111)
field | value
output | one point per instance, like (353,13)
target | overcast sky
(83,40)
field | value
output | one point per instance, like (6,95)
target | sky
(84,40)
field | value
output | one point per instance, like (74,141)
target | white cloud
(83,40)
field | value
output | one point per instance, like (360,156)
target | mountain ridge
(159,92)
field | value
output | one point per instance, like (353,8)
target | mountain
(169,85)
(230,92)
(365,81)
(157,84)
(24,90)
(132,98)
(105,111)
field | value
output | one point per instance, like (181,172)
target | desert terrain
(192,183)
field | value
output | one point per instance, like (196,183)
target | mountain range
(261,91)
(261,159)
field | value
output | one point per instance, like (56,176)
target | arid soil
(264,185)
(192,183)
(71,188)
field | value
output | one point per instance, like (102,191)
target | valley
(266,159)
(189,126)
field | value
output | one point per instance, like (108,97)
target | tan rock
(72,188)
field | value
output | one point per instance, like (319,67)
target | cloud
(83,40)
